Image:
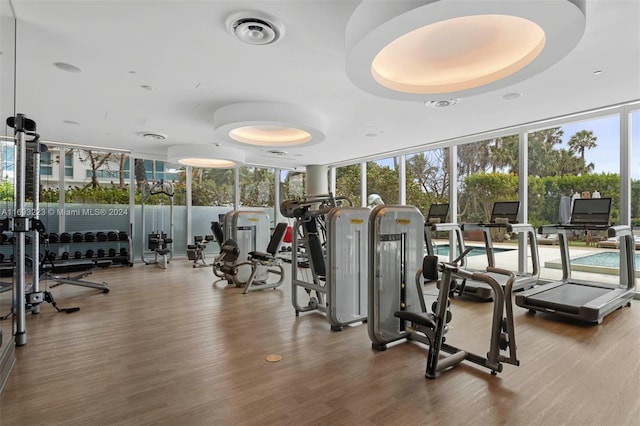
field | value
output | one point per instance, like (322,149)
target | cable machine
(158,241)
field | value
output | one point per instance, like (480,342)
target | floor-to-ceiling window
(348,183)
(212,195)
(427,179)
(383,179)
(578,159)
(257,189)
(154,181)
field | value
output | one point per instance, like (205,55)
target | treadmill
(436,221)
(586,301)
(503,215)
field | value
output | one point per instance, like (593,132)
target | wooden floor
(168,347)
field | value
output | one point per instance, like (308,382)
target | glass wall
(427,177)
(348,183)
(487,172)
(383,179)
(257,189)
(212,195)
(7,102)
(155,180)
(573,160)
(292,185)
(635,172)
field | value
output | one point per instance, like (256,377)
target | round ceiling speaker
(255,27)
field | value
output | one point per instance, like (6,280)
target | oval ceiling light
(407,49)
(205,156)
(270,124)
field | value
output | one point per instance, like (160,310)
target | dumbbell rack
(77,246)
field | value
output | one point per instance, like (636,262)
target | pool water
(443,250)
(606,259)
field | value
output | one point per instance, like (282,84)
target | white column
(317,182)
(363,184)
(625,167)
(523,196)
(402,167)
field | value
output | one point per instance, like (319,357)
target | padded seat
(424,319)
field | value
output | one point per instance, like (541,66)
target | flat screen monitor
(592,211)
(438,213)
(505,212)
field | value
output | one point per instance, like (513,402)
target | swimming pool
(601,263)
(443,250)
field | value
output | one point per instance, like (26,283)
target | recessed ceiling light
(255,27)
(70,122)
(132,72)
(405,49)
(370,135)
(67,67)
(146,87)
(441,103)
(596,73)
(277,152)
(511,96)
(153,135)
(270,124)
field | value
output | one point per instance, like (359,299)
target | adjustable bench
(60,272)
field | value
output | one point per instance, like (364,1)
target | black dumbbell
(88,254)
(112,236)
(124,252)
(65,237)
(101,236)
(77,237)
(77,254)
(53,237)
(112,252)
(101,253)
(51,256)
(122,236)
(89,237)
(65,255)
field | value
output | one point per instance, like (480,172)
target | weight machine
(398,311)
(330,239)
(195,251)
(158,242)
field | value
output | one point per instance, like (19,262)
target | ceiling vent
(441,104)
(255,27)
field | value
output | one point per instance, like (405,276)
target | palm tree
(582,141)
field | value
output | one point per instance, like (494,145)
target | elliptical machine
(158,241)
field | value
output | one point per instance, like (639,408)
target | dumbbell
(112,252)
(65,237)
(88,254)
(77,237)
(89,237)
(124,252)
(101,236)
(122,236)
(65,255)
(101,253)
(51,256)
(77,254)
(53,237)
(112,236)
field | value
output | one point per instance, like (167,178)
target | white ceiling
(194,66)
